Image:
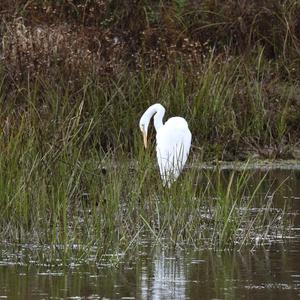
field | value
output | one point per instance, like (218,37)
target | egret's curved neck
(159,111)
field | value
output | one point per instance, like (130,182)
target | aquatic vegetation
(85,203)
(74,179)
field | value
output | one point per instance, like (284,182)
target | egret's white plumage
(173,142)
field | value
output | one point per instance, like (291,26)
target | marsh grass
(74,178)
(80,206)
(76,182)
(233,110)
(229,67)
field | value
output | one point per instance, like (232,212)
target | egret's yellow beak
(145,138)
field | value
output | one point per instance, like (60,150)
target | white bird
(173,142)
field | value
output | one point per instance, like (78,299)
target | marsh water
(267,271)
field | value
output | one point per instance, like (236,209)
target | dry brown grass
(79,38)
(62,48)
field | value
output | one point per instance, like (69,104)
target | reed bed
(229,68)
(76,180)
(74,81)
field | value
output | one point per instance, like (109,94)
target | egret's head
(144,123)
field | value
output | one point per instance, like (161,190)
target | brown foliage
(59,48)
(76,38)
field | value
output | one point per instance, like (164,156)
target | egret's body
(173,142)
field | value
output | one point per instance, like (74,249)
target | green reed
(75,177)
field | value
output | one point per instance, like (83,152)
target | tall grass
(76,180)
(232,109)
(81,211)
(73,172)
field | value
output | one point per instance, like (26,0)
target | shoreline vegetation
(75,77)
(230,68)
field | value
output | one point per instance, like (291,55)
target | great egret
(173,142)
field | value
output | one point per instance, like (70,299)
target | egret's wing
(173,146)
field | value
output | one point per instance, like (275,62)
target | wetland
(83,214)
(155,264)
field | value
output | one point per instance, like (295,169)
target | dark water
(268,272)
